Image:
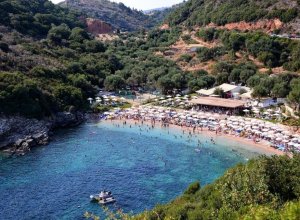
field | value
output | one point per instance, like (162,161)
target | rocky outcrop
(67,119)
(96,27)
(18,134)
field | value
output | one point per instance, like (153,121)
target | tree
(237,41)
(79,35)
(222,78)
(234,76)
(114,82)
(59,34)
(94,46)
(260,92)
(294,95)
(166,84)
(219,92)
(68,96)
(280,90)
(207,34)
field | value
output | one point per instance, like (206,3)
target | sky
(143,4)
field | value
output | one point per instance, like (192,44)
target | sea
(141,166)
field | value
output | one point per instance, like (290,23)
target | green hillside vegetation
(271,51)
(35,17)
(39,78)
(264,188)
(117,14)
(64,66)
(61,70)
(221,12)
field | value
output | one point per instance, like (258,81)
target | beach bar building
(214,103)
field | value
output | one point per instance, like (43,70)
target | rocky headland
(19,135)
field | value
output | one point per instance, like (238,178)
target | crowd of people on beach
(254,130)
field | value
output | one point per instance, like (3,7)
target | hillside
(222,12)
(51,69)
(63,65)
(56,68)
(35,17)
(265,188)
(116,14)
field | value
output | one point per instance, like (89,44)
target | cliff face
(97,27)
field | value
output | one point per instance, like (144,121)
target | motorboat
(104,197)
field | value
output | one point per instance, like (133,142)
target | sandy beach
(261,147)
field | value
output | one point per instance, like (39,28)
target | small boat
(104,197)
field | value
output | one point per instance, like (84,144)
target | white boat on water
(104,197)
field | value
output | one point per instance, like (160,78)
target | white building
(230,90)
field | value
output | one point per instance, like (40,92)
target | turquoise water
(141,166)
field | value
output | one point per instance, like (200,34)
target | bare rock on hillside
(96,27)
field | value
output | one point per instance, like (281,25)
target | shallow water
(141,167)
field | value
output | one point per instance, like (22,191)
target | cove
(141,166)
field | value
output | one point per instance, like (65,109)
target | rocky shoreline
(19,135)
